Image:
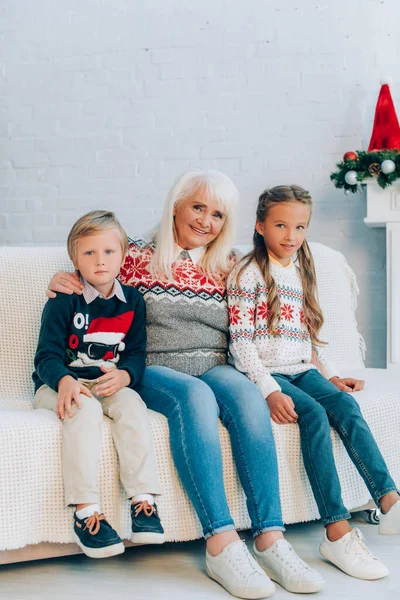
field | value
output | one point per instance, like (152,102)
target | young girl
(275,320)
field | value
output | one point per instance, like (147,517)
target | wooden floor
(177,571)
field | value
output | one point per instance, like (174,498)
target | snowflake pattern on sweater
(188,280)
(253,349)
(187,315)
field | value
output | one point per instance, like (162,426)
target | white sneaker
(237,571)
(389,523)
(352,556)
(282,564)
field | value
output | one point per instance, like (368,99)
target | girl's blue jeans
(319,405)
(193,406)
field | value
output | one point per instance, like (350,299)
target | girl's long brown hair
(312,311)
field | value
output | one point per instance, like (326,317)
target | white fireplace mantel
(383,210)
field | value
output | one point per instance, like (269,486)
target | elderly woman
(181,272)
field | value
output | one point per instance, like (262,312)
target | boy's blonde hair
(212,185)
(94,222)
(312,311)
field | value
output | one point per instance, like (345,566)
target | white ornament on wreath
(351,178)
(388,166)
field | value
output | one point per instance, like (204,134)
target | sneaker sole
(147,537)
(366,578)
(105,552)
(296,588)
(254,594)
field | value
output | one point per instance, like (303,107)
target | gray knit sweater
(187,315)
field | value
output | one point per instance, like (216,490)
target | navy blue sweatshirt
(77,338)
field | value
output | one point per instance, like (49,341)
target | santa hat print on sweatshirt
(109,331)
(386,130)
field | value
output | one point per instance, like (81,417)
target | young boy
(90,356)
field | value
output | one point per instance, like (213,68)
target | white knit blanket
(32,505)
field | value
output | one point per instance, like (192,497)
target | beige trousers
(130,428)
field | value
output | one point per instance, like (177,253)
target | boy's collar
(90,293)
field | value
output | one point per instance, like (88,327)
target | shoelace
(144,506)
(241,559)
(357,544)
(287,555)
(92,524)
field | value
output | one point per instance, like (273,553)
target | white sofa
(34,523)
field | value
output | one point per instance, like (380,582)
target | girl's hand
(348,384)
(110,383)
(281,408)
(67,283)
(69,390)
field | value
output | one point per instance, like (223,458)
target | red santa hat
(386,130)
(109,331)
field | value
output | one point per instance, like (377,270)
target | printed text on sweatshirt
(77,338)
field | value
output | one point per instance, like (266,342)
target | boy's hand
(110,383)
(69,390)
(281,408)
(67,283)
(347,384)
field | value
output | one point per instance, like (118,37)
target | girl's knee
(313,413)
(347,405)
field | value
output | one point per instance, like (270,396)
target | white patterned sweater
(253,349)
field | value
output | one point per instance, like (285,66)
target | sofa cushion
(30,447)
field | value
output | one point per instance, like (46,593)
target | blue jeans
(319,405)
(193,406)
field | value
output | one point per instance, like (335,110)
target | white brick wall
(104,102)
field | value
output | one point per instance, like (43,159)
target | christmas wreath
(382,159)
(383,165)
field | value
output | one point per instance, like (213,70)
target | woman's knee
(197,400)
(194,414)
(236,393)
(176,394)
(246,406)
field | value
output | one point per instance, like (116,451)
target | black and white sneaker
(96,537)
(146,524)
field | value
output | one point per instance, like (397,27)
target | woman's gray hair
(214,185)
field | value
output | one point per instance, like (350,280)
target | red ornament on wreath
(349,156)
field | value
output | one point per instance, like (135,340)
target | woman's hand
(281,408)
(69,390)
(347,384)
(67,283)
(110,383)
